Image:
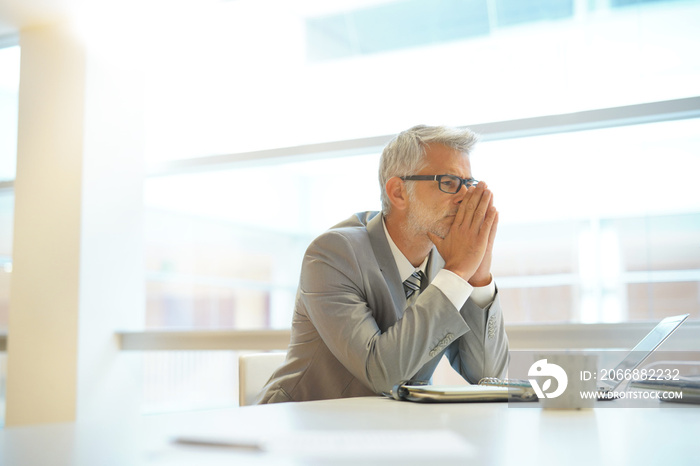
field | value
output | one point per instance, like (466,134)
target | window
(9,92)
(224,248)
(394,25)
(598,226)
(6,211)
(595,227)
(242,79)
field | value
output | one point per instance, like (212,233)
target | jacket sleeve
(483,351)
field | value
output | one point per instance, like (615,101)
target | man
(382,296)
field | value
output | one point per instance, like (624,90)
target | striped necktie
(412,283)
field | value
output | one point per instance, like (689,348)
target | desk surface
(487,433)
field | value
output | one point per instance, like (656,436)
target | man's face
(431,210)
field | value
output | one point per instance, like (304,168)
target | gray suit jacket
(352,334)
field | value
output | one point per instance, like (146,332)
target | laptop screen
(645,347)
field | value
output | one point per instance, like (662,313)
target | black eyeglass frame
(468,182)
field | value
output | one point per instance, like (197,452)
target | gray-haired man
(383,295)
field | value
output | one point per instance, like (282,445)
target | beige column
(77,258)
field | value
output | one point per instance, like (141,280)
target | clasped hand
(468,246)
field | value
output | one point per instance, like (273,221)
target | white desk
(497,434)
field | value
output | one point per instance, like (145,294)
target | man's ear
(397,194)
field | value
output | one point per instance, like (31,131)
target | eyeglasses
(450,184)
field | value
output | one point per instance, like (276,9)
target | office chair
(254,370)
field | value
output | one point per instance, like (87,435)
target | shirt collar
(404,265)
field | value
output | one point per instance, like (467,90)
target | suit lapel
(386,261)
(435,264)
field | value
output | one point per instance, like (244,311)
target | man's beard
(421,219)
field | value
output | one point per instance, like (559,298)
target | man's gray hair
(405,154)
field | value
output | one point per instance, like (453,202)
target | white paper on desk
(374,443)
(350,443)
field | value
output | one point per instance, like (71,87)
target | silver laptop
(641,352)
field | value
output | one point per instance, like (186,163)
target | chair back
(254,371)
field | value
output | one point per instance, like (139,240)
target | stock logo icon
(542,369)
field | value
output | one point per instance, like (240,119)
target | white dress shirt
(452,285)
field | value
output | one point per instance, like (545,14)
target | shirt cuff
(483,295)
(453,286)
(459,290)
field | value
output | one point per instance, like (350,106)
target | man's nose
(459,195)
